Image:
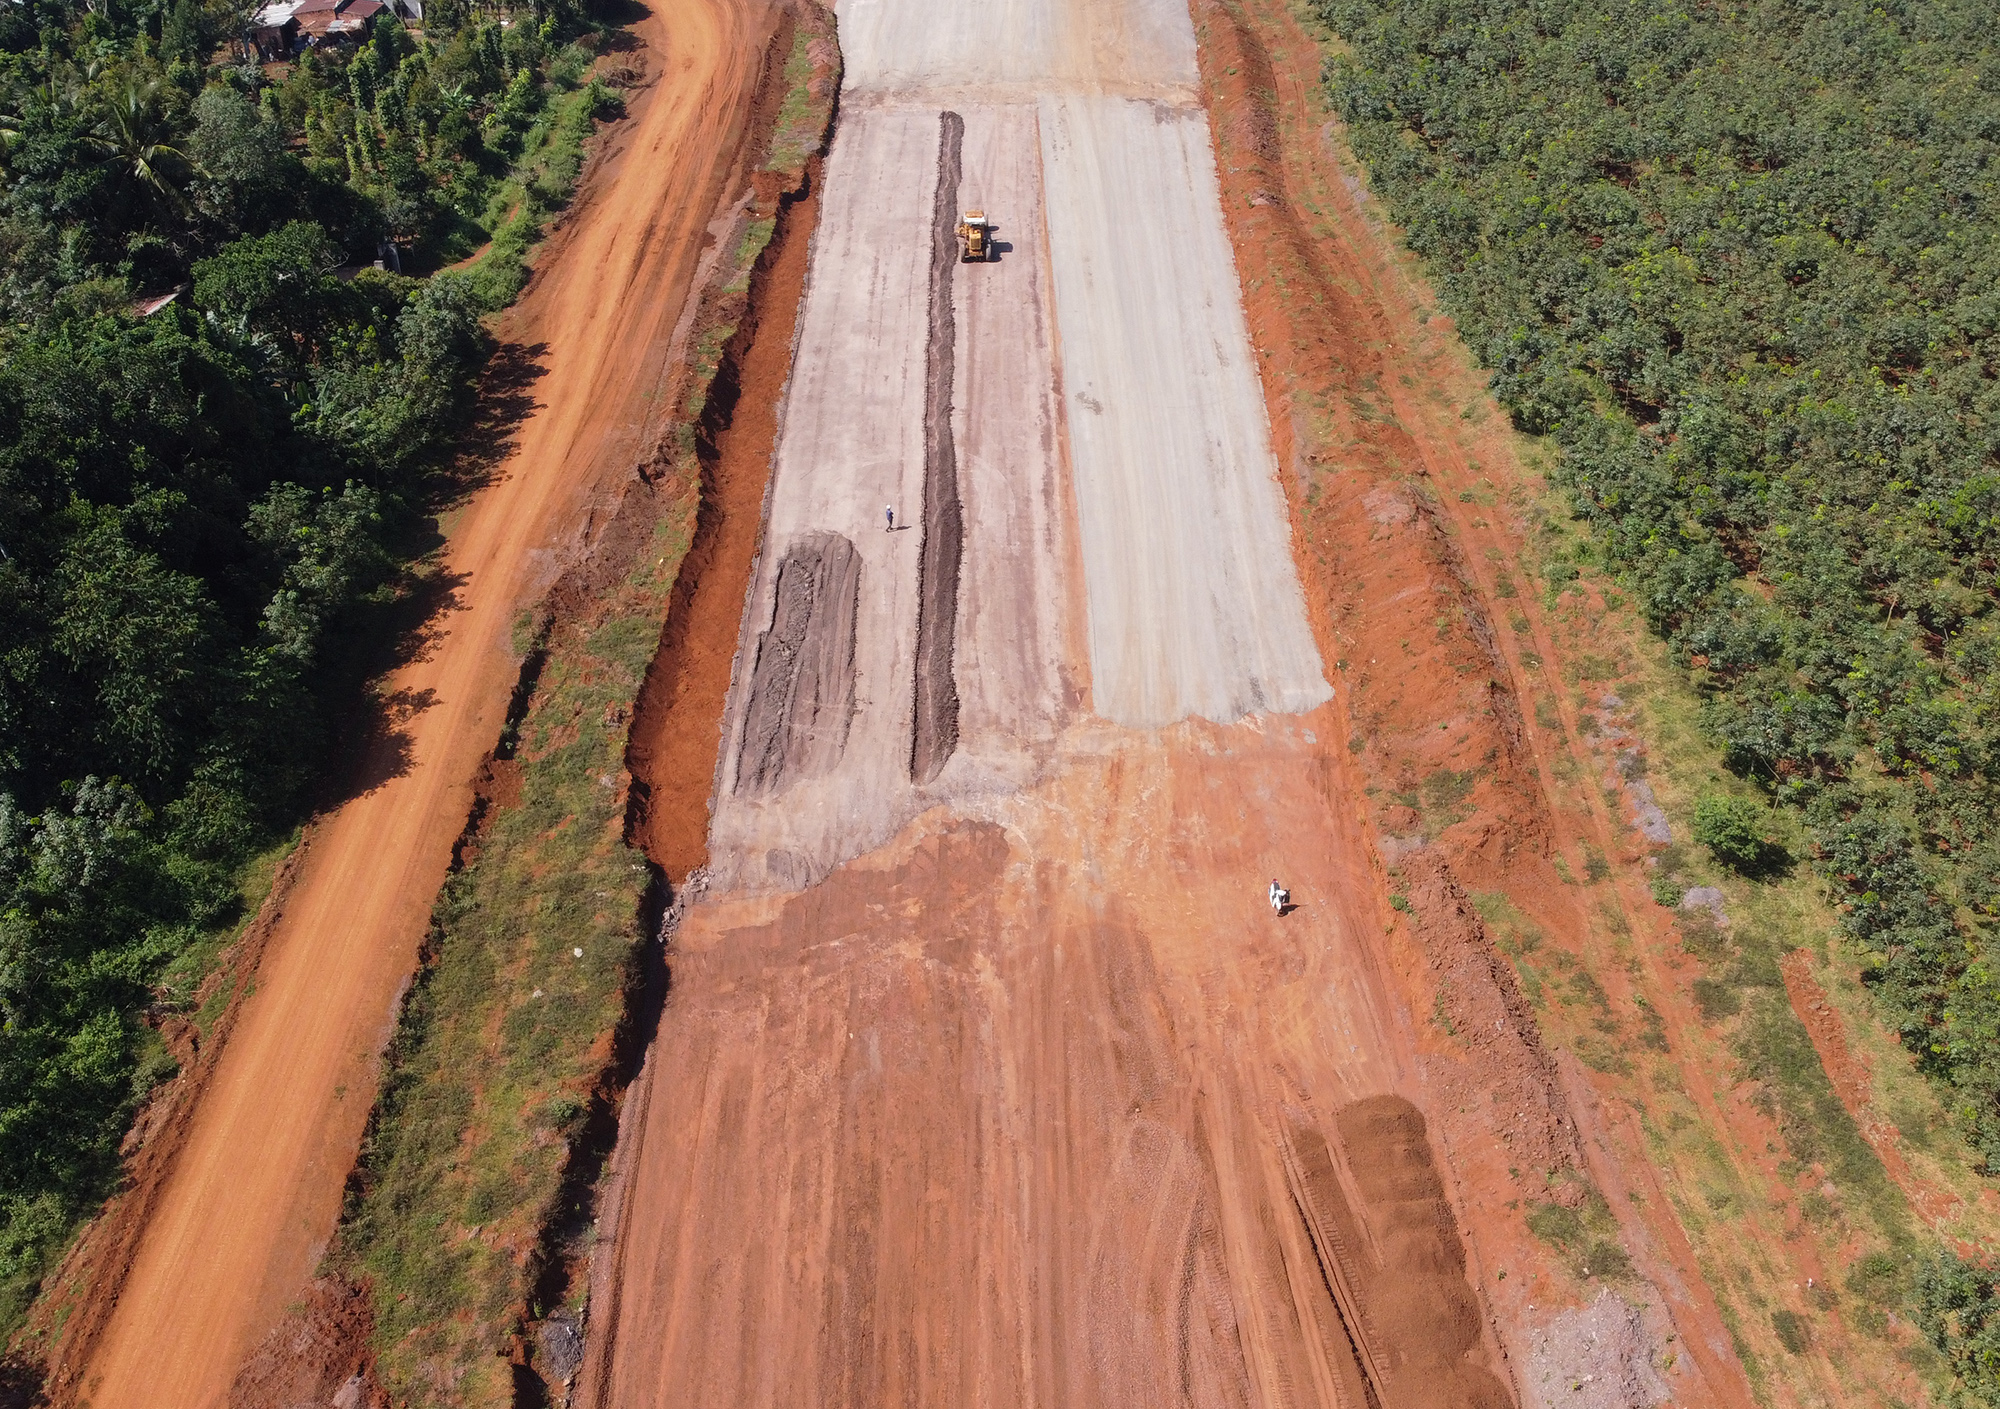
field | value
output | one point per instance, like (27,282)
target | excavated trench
(678,719)
(802,688)
(935,734)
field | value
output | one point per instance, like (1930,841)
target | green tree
(1733,829)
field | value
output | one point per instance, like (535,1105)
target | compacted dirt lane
(253,1195)
(987,1074)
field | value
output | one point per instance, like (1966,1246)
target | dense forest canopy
(205,509)
(1741,261)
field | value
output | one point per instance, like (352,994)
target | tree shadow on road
(372,743)
(505,401)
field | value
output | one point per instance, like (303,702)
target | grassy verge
(540,184)
(472,1199)
(1817,1179)
(504,1039)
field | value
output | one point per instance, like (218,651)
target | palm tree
(130,137)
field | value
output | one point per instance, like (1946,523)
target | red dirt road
(252,1198)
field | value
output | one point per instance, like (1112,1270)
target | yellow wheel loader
(975,236)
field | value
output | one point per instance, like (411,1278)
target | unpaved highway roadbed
(987,1075)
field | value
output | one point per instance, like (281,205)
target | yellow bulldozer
(975,236)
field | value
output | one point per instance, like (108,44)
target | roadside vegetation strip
(496,1066)
(1767,376)
(217,507)
(1781,1154)
(1745,284)
(472,1208)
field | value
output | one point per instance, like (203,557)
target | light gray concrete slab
(1126,543)
(850,443)
(907,47)
(1195,605)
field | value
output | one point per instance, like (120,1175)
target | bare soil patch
(318,1355)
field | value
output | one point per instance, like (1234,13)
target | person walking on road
(1280,897)
(889,514)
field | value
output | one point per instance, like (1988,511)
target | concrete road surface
(1125,543)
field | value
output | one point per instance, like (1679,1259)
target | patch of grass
(1716,1000)
(801,122)
(1601,1054)
(1586,1236)
(756,237)
(1440,1016)
(1794,1332)
(1773,1047)
(499,1047)
(1444,796)
(1652,1028)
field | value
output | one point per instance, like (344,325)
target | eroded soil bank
(1504,787)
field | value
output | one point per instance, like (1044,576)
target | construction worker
(1280,897)
(889,514)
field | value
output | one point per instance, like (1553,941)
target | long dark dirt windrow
(936,732)
(802,691)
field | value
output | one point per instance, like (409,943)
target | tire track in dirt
(252,1193)
(802,686)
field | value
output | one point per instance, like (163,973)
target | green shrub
(1794,1332)
(1732,828)
(1959,1314)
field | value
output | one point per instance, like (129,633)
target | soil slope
(232,1235)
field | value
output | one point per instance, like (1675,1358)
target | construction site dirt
(987,1076)
(201,1262)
